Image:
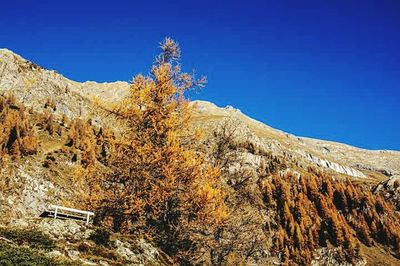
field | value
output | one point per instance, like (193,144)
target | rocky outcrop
(334,166)
(328,257)
(390,189)
(73,243)
(392,184)
(140,252)
(63,229)
(28,193)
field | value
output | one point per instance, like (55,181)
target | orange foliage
(315,210)
(17,135)
(158,186)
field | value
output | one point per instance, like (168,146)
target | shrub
(101,237)
(29,237)
(98,251)
(11,255)
(50,103)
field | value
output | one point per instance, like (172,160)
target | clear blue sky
(323,69)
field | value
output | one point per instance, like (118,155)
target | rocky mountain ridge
(35,85)
(337,157)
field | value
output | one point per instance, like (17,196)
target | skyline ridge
(7,50)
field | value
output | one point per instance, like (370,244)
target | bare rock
(73,254)
(140,253)
(64,229)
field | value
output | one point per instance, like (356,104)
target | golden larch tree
(160,186)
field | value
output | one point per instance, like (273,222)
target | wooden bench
(60,212)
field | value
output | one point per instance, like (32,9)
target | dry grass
(377,255)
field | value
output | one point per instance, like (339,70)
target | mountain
(337,157)
(35,85)
(46,169)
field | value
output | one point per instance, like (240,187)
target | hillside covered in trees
(204,189)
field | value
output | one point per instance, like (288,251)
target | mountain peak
(6,51)
(11,57)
